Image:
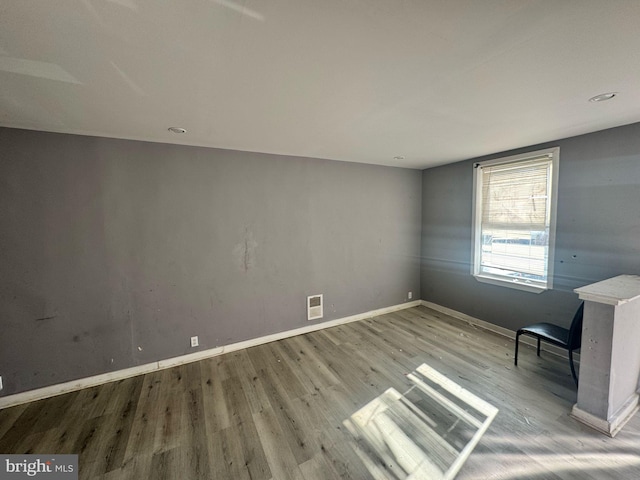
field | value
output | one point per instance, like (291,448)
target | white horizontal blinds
(516,213)
(515,196)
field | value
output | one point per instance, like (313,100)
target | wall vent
(314,307)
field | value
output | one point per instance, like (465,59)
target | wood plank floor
(275,411)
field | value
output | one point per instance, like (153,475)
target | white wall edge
(505,332)
(79,384)
(73,385)
(591,420)
(610,426)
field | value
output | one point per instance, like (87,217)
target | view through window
(515,220)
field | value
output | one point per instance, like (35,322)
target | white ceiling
(354,80)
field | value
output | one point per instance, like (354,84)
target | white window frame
(476,248)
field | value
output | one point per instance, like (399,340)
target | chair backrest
(575,331)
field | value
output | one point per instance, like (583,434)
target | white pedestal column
(610,354)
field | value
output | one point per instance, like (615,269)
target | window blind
(514,206)
(516,196)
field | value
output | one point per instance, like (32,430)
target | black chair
(556,335)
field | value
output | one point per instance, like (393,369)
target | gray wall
(113,252)
(598,230)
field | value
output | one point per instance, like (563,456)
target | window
(514,220)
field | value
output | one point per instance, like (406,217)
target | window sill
(511,283)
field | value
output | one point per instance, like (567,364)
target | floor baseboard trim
(609,426)
(505,332)
(67,387)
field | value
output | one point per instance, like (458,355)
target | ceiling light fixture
(177,130)
(603,97)
(398,157)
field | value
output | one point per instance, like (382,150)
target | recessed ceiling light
(398,157)
(177,130)
(603,97)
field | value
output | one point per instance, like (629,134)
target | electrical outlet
(194,341)
(1,387)
(410,296)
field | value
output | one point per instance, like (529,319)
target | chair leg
(538,350)
(515,358)
(573,368)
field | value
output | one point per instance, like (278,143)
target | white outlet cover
(410,295)
(194,341)
(1,387)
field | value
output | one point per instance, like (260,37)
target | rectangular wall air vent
(314,307)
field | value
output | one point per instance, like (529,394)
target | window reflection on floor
(426,433)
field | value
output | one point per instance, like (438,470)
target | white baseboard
(609,426)
(61,388)
(505,332)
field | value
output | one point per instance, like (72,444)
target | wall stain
(44,318)
(244,252)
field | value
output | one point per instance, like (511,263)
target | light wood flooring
(275,411)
